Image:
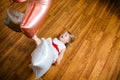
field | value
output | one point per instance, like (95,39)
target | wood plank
(95,54)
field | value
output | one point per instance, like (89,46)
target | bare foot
(37,40)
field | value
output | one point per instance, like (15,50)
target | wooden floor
(95,54)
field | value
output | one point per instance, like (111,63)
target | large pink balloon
(19,0)
(35,15)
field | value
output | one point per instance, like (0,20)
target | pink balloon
(34,17)
(19,0)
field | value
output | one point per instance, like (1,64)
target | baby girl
(49,51)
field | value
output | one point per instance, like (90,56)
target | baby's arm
(37,40)
(60,56)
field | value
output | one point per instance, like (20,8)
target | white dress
(44,55)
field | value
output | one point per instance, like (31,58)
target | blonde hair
(71,39)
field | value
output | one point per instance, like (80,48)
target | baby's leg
(37,40)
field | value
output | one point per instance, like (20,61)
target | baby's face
(64,37)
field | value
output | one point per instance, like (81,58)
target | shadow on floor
(112,5)
(11,25)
